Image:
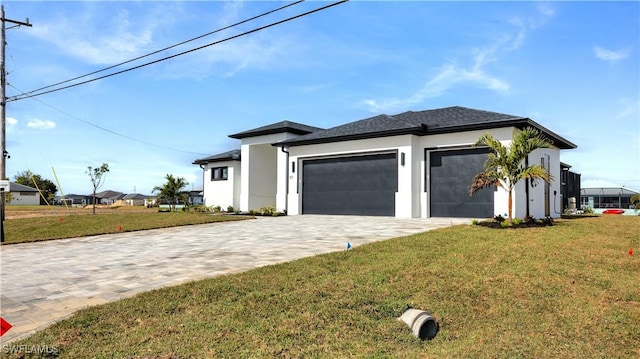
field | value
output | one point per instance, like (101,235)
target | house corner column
(244,178)
(282,175)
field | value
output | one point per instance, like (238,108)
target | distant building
(137,199)
(71,199)
(107,197)
(23,195)
(607,197)
(196,197)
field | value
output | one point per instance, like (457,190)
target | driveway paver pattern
(44,282)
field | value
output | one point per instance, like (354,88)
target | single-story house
(106,197)
(138,199)
(196,197)
(602,198)
(23,195)
(72,199)
(409,165)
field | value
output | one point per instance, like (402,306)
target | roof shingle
(278,127)
(444,120)
(233,155)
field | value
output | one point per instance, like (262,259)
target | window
(219,173)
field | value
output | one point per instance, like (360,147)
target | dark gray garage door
(358,185)
(451,175)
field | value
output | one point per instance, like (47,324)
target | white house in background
(23,195)
(410,165)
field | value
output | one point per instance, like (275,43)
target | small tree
(172,190)
(505,165)
(47,188)
(97,179)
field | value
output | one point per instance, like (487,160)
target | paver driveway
(44,282)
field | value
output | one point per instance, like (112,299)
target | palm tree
(633,200)
(504,166)
(172,191)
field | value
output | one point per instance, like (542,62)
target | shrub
(475,222)
(504,224)
(201,208)
(587,210)
(529,219)
(230,209)
(547,221)
(517,221)
(216,209)
(267,211)
(499,218)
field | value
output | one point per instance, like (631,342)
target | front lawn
(65,225)
(570,290)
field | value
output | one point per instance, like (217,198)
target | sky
(573,67)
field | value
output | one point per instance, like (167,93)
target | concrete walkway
(44,282)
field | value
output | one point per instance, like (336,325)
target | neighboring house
(72,199)
(602,198)
(137,199)
(106,197)
(410,165)
(23,195)
(196,197)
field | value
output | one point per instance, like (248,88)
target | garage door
(451,175)
(357,185)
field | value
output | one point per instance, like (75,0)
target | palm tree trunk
(510,207)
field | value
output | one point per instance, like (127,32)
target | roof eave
(352,137)
(519,123)
(295,131)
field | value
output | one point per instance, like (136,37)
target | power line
(170,47)
(106,129)
(32,94)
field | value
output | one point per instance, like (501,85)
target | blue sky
(573,67)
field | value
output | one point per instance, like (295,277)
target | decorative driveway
(44,282)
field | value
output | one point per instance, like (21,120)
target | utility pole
(3,110)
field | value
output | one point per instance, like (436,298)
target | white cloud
(11,121)
(91,36)
(610,55)
(628,108)
(448,77)
(41,124)
(478,73)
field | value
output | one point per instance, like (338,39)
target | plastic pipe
(422,324)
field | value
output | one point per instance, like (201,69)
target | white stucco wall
(537,193)
(265,180)
(24,199)
(222,193)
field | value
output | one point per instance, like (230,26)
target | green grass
(32,229)
(569,290)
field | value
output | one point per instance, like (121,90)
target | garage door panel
(369,203)
(451,176)
(358,185)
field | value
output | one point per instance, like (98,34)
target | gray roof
(16,187)
(422,123)
(135,196)
(109,194)
(233,155)
(608,191)
(278,127)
